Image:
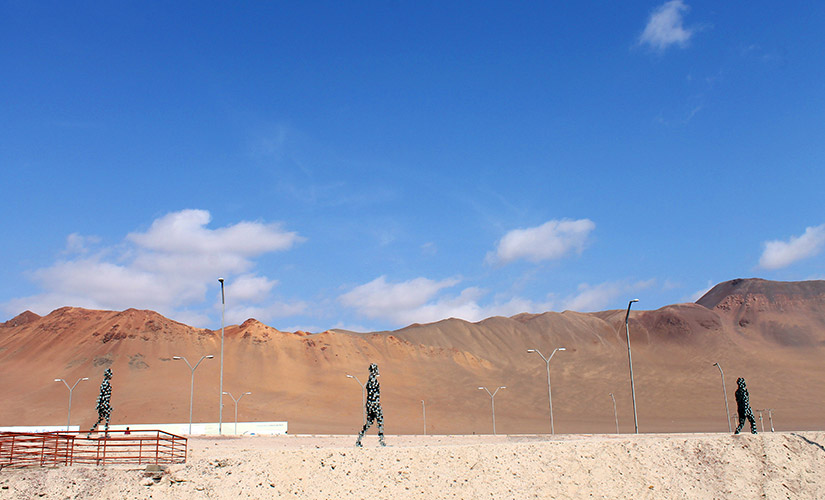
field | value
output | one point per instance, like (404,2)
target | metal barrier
(18,449)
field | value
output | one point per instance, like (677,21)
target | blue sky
(367,165)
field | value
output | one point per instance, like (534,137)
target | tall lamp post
(630,363)
(220,387)
(615,415)
(725,393)
(493,402)
(236,406)
(192,382)
(549,391)
(363,396)
(71,389)
(424,414)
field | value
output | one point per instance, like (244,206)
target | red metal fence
(18,449)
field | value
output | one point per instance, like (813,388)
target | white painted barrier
(39,428)
(211,428)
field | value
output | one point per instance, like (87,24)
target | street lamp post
(424,414)
(236,407)
(761,422)
(615,415)
(549,392)
(192,382)
(770,417)
(71,389)
(220,387)
(363,396)
(725,393)
(493,402)
(630,363)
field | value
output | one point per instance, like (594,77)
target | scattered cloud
(700,293)
(168,268)
(778,254)
(604,295)
(421,300)
(78,244)
(552,240)
(665,27)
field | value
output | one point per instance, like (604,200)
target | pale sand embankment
(653,466)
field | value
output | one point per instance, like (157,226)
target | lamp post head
(531,350)
(176,357)
(221,280)
(226,393)
(481,388)
(503,387)
(349,376)
(715,364)
(85,378)
(58,380)
(209,356)
(247,393)
(562,348)
(635,300)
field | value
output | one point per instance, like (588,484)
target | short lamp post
(493,403)
(363,396)
(236,407)
(192,382)
(615,415)
(424,415)
(549,391)
(71,389)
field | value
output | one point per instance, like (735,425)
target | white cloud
(603,296)
(552,240)
(379,299)
(250,288)
(184,232)
(168,268)
(418,301)
(779,254)
(665,27)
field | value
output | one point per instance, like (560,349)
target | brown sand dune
(647,466)
(772,333)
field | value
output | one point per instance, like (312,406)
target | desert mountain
(771,333)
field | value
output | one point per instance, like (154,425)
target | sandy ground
(655,466)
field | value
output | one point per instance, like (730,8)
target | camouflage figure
(743,406)
(104,407)
(374,412)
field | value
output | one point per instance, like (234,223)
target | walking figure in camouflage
(743,405)
(374,413)
(103,407)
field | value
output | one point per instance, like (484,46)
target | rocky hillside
(772,333)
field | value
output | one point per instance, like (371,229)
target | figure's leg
(380,419)
(108,415)
(753,423)
(741,423)
(370,418)
(99,418)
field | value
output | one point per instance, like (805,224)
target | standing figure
(103,407)
(743,405)
(374,412)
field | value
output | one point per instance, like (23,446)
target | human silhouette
(374,412)
(743,406)
(104,407)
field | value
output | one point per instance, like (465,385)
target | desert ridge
(771,333)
